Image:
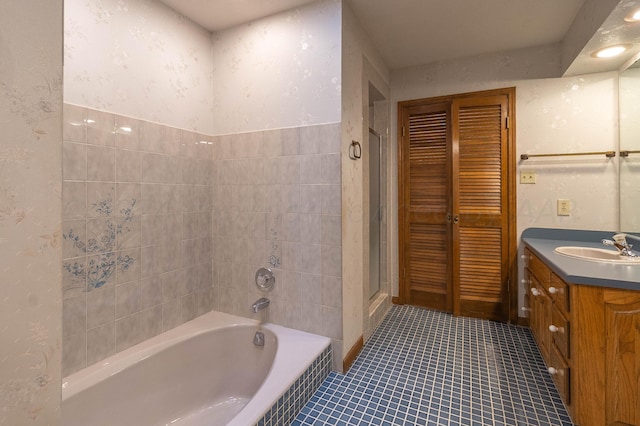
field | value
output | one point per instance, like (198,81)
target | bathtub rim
(295,351)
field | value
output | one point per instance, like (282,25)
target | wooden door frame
(512,256)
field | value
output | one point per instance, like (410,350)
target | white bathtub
(204,372)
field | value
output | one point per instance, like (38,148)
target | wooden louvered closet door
(427,234)
(480,243)
(457,246)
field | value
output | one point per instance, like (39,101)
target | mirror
(629,113)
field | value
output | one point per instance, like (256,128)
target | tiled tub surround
(161,225)
(204,372)
(137,240)
(424,367)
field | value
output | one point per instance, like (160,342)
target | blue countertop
(543,241)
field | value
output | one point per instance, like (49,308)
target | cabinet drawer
(560,332)
(559,292)
(537,268)
(540,318)
(559,370)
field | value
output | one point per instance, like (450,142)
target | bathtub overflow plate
(265,279)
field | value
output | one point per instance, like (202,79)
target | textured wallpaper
(138,58)
(30,240)
(281,71)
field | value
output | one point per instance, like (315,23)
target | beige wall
(30,240)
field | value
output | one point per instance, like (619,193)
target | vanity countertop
(543,241)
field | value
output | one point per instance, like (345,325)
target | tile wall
(161,225)
(137,243)
(277,204)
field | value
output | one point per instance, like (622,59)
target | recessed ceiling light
(633,16)
(610,51)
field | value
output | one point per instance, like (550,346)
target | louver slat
(428,161)
(427,259)
(480,167)
(480,264)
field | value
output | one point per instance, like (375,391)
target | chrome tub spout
(260,304)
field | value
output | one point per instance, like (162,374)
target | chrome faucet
(260,304)
(620,242)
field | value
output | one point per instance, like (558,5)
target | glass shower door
(374,213)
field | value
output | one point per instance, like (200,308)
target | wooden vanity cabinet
(594,351)
(607,356)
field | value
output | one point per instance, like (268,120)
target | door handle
(449,217)
(456,219)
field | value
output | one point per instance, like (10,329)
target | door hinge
(508,286)
(402,131)
(404,272)
(506,122)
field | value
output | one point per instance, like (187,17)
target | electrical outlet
(564,208)
(527,176)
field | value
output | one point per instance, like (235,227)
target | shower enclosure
(375,213)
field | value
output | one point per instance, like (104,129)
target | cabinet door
(540,317)
(622,348)
(606,356)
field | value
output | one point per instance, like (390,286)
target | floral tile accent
(129,232)
(100,198)
(101,270)
(128,265)
(101,235)
(73,239)
(74,277)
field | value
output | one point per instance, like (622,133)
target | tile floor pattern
(424,367)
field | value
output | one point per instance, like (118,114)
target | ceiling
(415,32)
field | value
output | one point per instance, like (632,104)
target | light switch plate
(564,207)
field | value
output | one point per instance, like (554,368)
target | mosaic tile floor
(424,367)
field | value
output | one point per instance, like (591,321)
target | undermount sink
(597,255)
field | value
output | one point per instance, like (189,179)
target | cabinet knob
(553,290)
(525,281)
(555,329)
(554,371)
(535,292)
(525,309)
(525,257)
